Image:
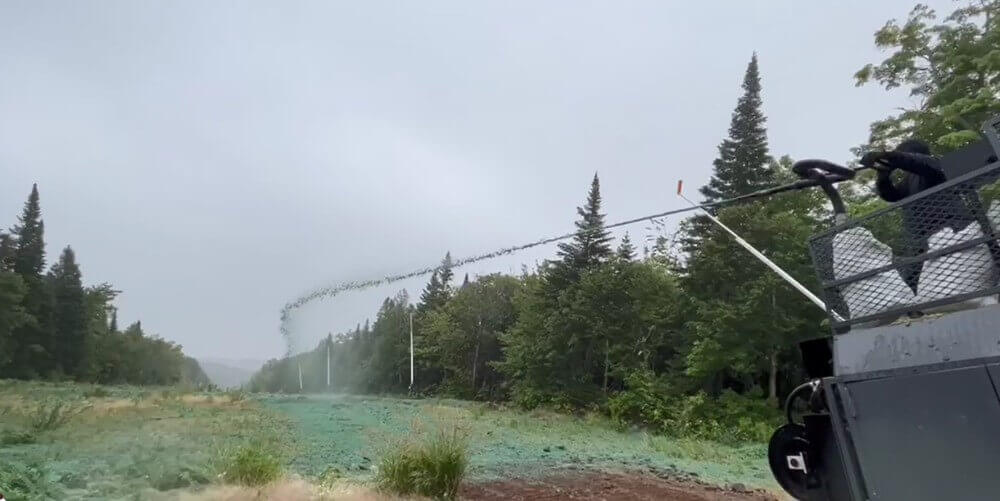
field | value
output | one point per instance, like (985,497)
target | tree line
(54,327)
(691,334)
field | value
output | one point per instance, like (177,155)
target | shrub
(729,418)
(645,402)
(433,467)
(251,465)
(49,416)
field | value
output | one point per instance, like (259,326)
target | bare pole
(762,258)
(328,341)
(300,377)
(411,349)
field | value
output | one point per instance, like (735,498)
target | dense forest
(683,332)
(54,327)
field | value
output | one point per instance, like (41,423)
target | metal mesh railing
(931,252)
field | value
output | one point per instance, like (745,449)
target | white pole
(770,264)
(300,377)
(411,350)
(328,340)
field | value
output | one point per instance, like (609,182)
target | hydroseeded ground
(138,443)
(345,434)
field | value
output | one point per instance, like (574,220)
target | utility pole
(411,349)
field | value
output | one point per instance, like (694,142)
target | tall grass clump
(12,437)
(432,467)
(252,465)
(52,415)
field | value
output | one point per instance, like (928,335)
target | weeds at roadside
(251,465)
(432,467)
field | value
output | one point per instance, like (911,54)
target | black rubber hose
(791,398)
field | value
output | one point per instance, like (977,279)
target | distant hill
(229,373)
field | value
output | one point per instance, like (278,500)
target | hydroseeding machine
(902,400)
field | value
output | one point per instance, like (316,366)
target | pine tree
(743,164)
(590,245)
(465,281)
(626,251)
(69,314)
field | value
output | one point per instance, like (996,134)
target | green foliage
(645,402)
(729,418)
(433,467)
(251,465)
(950,66)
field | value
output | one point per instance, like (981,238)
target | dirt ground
(609,486)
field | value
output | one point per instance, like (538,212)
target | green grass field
(136,443)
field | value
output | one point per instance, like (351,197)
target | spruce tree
(743,165)
(430,299)
(29,249)
(69,314)
(590,245)
(446,272)
(626,251)
(438,290)
(33,339)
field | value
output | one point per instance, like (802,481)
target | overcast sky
(213,160)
